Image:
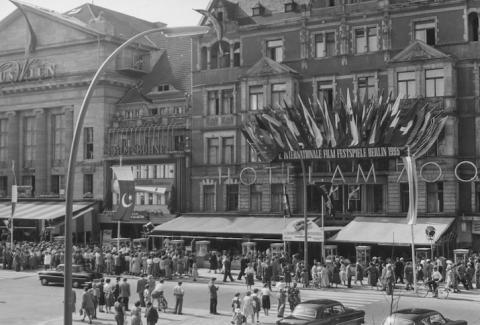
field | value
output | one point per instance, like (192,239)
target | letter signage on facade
(27,70)
(341,153)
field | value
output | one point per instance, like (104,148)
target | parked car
(420,316)
(323,312)
(80,275)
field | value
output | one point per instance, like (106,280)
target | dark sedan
(79,275)
(420,316)
(323,312)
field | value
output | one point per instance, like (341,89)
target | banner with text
(295,231)
(341,153)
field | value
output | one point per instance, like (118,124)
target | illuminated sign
(27,70)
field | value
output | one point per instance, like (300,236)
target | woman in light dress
(247,307)
(137,314)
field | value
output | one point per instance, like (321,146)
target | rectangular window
(227,101)
(232,197)
(360,41)
(425,31)
(255,197)
(88,143)
(88,183)
(434,83)
(276,197)
(279,95)
(374,201)
(330,44)
(353,198)
(319,46)
(3,186)
(404,197)
(275,50)
(57,183)
(372,41)
(213,103)
(236,55)
(228,150)
(325,93)
(406,86)
(29,140)
(366,87)
(4,140)
(314,202)
(256,98)
(28,180)
(212,151)
(209,197)
(435,197)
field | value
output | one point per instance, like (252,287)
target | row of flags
(373,122)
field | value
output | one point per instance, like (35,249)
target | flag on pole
(286,204)
(411,169)
(124,185)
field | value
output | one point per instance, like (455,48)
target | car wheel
(76,284)
(44,282)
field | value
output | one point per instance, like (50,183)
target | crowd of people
(264,273)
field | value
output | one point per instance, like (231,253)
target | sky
(171,12)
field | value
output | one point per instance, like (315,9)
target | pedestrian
(119,310)
(282,300)
(243,266)
(359,273)
(227,265)
(88,307)
(268,274)
(265,293)
(408,275)
(293,296)
(101,297)
(137,314)
(372,274)
(141,283)
(178,292)
(194,270)
(151,314)
(247,307)
(116,290)
(249,276)
(350,273)
(343,273)
(158,294)
(235,306)
(212,289)
(213,262)
(257,305)
(125,293)
(108,290)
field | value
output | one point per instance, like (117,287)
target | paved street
(22,292)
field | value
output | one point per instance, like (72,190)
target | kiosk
(276,248)
(363,254)
(331,251)
(201,248)
(177,243)
(422,254)
(460,255)
(248,246)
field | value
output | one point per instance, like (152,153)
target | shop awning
(390,231)
(40,210)
(237,225)
(151,189)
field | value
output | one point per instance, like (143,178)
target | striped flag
(286,203)
(410,166)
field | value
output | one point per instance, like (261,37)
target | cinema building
(42,85)
(275,51)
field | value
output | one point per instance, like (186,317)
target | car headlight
(390,320)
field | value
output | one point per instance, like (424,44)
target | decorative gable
(419,51)
(268,67)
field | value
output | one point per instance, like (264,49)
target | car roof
(323,302)
(414,313)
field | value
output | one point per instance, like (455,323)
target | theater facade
(47,61)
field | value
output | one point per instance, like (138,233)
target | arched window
(473,26)
(203,58)
(220,58)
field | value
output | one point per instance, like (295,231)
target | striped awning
(40,210)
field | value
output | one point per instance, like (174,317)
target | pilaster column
(41,152)
(69,125)
(232,55)
(13,146)
(209,52)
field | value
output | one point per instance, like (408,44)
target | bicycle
(423,290)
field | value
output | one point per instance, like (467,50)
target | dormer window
(165,87)
(258,10)
(290,6)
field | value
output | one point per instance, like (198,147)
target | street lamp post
(175,31)
(305,221)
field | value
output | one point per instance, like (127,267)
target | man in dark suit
(140,288)
(125,292)
(243,266)
(212,289)
(228,270)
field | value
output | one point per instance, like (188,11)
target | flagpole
(412,216)
(14,202)
(118,222)
(323,231)
(305,221)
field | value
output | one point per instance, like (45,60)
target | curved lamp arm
(167,31)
